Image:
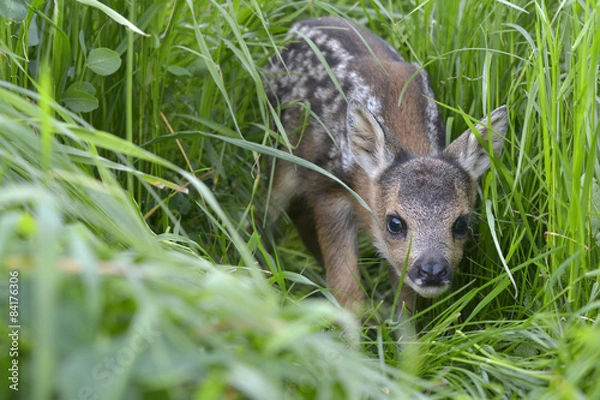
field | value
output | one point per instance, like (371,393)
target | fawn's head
(422,203)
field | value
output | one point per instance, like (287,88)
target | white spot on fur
(363,94)
(431,110)
(374,105)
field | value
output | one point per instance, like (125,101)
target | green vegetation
(133,159)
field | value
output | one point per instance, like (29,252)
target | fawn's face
(422,204)
(423,220)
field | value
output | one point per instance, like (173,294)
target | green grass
(130,183)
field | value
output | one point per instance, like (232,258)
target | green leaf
(33,33)
(84,86)
(118,18)
(179,71)
(80,97)
(595,211)
(13,9)
(103,61)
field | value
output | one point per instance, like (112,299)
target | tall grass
(133,144)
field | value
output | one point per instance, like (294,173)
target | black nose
(431,271)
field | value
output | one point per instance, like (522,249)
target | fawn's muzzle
(429,271)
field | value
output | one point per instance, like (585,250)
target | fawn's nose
(431,271)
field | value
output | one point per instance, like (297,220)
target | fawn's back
(365,69)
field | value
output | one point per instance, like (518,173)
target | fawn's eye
(396,225)
(461,226)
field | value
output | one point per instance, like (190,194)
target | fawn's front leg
(337,235)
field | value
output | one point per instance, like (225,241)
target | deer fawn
(361,112)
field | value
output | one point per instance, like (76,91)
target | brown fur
(381,135)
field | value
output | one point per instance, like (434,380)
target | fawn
(361,112)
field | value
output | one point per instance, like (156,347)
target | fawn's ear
(469,152)
(366,138)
